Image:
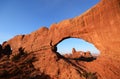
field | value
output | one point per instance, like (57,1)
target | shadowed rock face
(99,25)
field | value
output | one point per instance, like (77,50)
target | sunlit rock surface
(99,25)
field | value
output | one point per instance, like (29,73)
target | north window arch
(65,46)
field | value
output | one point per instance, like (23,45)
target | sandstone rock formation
(73,50)
(99,25)
(75,54)
(87,54)
(78,54)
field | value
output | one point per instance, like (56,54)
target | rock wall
(99,25)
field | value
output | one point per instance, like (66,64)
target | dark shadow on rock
(7,50)
(21,51)
(42,76)
(0,50)
(54,50)
(80,70)
(86,59)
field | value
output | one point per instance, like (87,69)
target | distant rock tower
(73,50)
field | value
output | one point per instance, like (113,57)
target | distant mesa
(80,55)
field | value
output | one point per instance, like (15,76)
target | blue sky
(80,45)
(25,16)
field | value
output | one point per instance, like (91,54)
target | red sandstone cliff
(99,25)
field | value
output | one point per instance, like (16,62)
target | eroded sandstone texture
(100,26)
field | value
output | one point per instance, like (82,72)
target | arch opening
(77,47)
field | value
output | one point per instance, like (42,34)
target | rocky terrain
(99,25)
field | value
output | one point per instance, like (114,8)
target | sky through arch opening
(65,46)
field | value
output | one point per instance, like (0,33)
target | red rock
(87,54)
(99,25)
(73,50)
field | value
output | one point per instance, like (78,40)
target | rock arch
(95,26)
(98,26)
